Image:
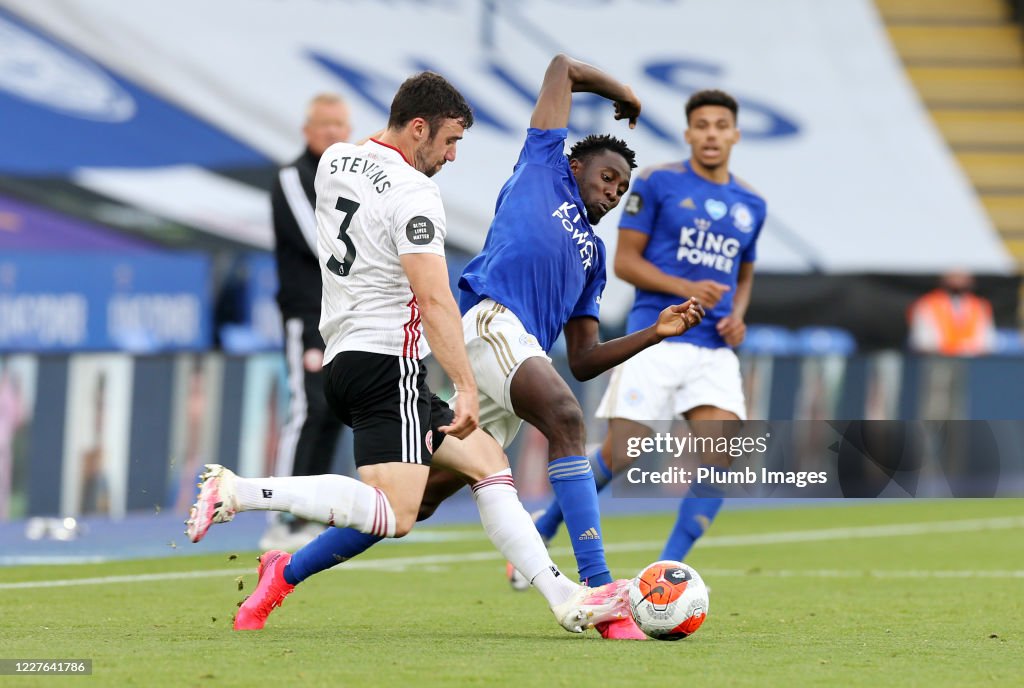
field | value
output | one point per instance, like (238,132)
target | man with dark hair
(711,96)
(428,93)
(310,434)
(381,230)
(689,229)
(586,148)
(541,273)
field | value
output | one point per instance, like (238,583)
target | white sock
(512,531)
(554,585)
(332,499)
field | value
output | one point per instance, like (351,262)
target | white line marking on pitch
(795,536)
(136,578)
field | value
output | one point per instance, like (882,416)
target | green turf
(785,614)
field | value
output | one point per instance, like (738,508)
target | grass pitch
(915,593)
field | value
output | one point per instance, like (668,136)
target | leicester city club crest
(742,218)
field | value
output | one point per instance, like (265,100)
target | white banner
(856,176)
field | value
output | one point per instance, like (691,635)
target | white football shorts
(670,378)
(497,344)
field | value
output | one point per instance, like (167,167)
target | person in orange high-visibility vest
(951,320)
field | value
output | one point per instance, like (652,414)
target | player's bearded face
(711,134)
(439,148)
(603,180)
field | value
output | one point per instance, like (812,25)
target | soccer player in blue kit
(688,229)
(541,273)
(385,289)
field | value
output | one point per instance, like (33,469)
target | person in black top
(310,435)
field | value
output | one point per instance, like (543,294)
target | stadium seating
(775,340)
(824,341)
(966,60)
(1009,342)
(952,11)
(770,340)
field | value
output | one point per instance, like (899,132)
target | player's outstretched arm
(588,357)
(566,76)
(428,277)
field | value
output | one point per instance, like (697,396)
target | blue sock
(330,548)
(696,512)
(547,524)
(573,483)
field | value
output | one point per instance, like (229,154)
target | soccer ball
(668,600)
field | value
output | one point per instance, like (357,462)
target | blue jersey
(541,258)
(698,230)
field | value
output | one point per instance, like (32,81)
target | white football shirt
(372,206)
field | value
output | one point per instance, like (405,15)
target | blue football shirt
(698,230)
(541,258)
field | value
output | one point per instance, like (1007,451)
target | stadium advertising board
(74,302)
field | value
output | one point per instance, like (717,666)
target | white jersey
(372,206)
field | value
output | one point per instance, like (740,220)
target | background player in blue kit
(541,273)
(688,229)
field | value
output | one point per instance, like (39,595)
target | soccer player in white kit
(381,228)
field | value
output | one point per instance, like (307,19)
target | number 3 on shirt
(342,268)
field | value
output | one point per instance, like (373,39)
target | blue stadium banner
(141,302)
